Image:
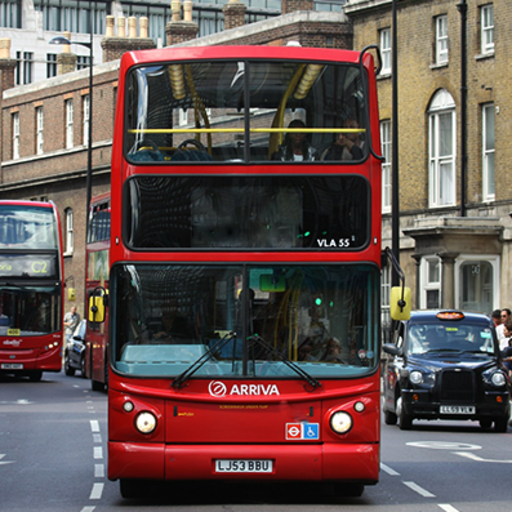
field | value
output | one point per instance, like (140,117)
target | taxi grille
(457,386)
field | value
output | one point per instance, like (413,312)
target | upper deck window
(247,212)
(27,227)
(245,111)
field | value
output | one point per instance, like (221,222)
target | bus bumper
(327,462)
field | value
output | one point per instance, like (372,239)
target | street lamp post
(88,185)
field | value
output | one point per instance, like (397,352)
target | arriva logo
(218,388)
(13,343)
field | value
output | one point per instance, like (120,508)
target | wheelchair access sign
(302,431)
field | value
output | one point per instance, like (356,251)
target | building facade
(455,192)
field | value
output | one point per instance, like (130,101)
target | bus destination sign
(30,265)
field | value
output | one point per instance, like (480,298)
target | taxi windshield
(443,337)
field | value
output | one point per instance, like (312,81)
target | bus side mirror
(96,309)
(400,303)
(71,294)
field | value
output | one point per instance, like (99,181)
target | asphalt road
(53,458)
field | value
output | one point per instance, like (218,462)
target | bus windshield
(27,227)
(31,310)
(243,111)
(247,317)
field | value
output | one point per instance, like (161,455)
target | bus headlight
(145,422)
(341,422)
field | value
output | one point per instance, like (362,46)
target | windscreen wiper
(314,383)
(180,380)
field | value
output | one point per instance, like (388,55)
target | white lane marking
(388,470)
(99,471)
(88,401)
(95,425)
(447,508)
(98,452)
(97,490)
(444,445)
(88,509)
(96,438)
(472,456)
(2,455)
(419,490)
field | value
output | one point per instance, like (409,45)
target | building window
(487,33)
(477,282)
(69,124)
(430,286)
(442,150)
(85,108)
(15,136)
(39,131)
(82,62)
(385,296)
(385,50)
(24,65)
(182,117)
(10,14)
(441,39)
(69,232)
(51,65)
(488,149)
(385,141)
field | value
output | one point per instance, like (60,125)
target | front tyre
(404,419)
(35,376)
(501,425)
(390,418)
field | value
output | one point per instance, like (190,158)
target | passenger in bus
(346,146)
(295,146)
(333,351)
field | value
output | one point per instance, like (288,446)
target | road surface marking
(99,471)
(472,456)
(95,425)
(97,490)
(388,470)
(419,490)
(2,455)
(444,445)
(447,508)
(98,452)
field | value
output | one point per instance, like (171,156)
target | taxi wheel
(501,425)
(390,418)
(485,424)
(404,420)
(82,367)
(67,368)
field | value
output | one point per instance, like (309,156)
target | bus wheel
(97,386)
(133,489)
(349,490)
(35,376)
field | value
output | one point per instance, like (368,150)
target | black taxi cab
(445,365)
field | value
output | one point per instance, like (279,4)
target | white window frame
(385,50)
(487,29)
(39,130)
(15,136)
(494,260)
(69,124)
(385,296)
(86,113)
(488,152)
(442,185)
(182,117)
(385,142)
(442,39)
(426,284)
(70,242)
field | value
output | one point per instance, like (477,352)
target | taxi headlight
(145,422)
(341,422)
(416,377)
(498,379)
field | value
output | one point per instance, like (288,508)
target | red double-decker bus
(245,268)
(31,288)
(96,281)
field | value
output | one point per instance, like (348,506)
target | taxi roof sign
(450,315)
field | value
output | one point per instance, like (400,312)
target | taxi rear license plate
(243,466)
(12,366)
(457,409)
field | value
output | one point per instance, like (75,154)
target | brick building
(44,125)
(455,255)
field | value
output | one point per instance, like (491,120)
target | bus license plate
(243,466)
(457,409)
(12,366)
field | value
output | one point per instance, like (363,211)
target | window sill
(484,56)
(439,66)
